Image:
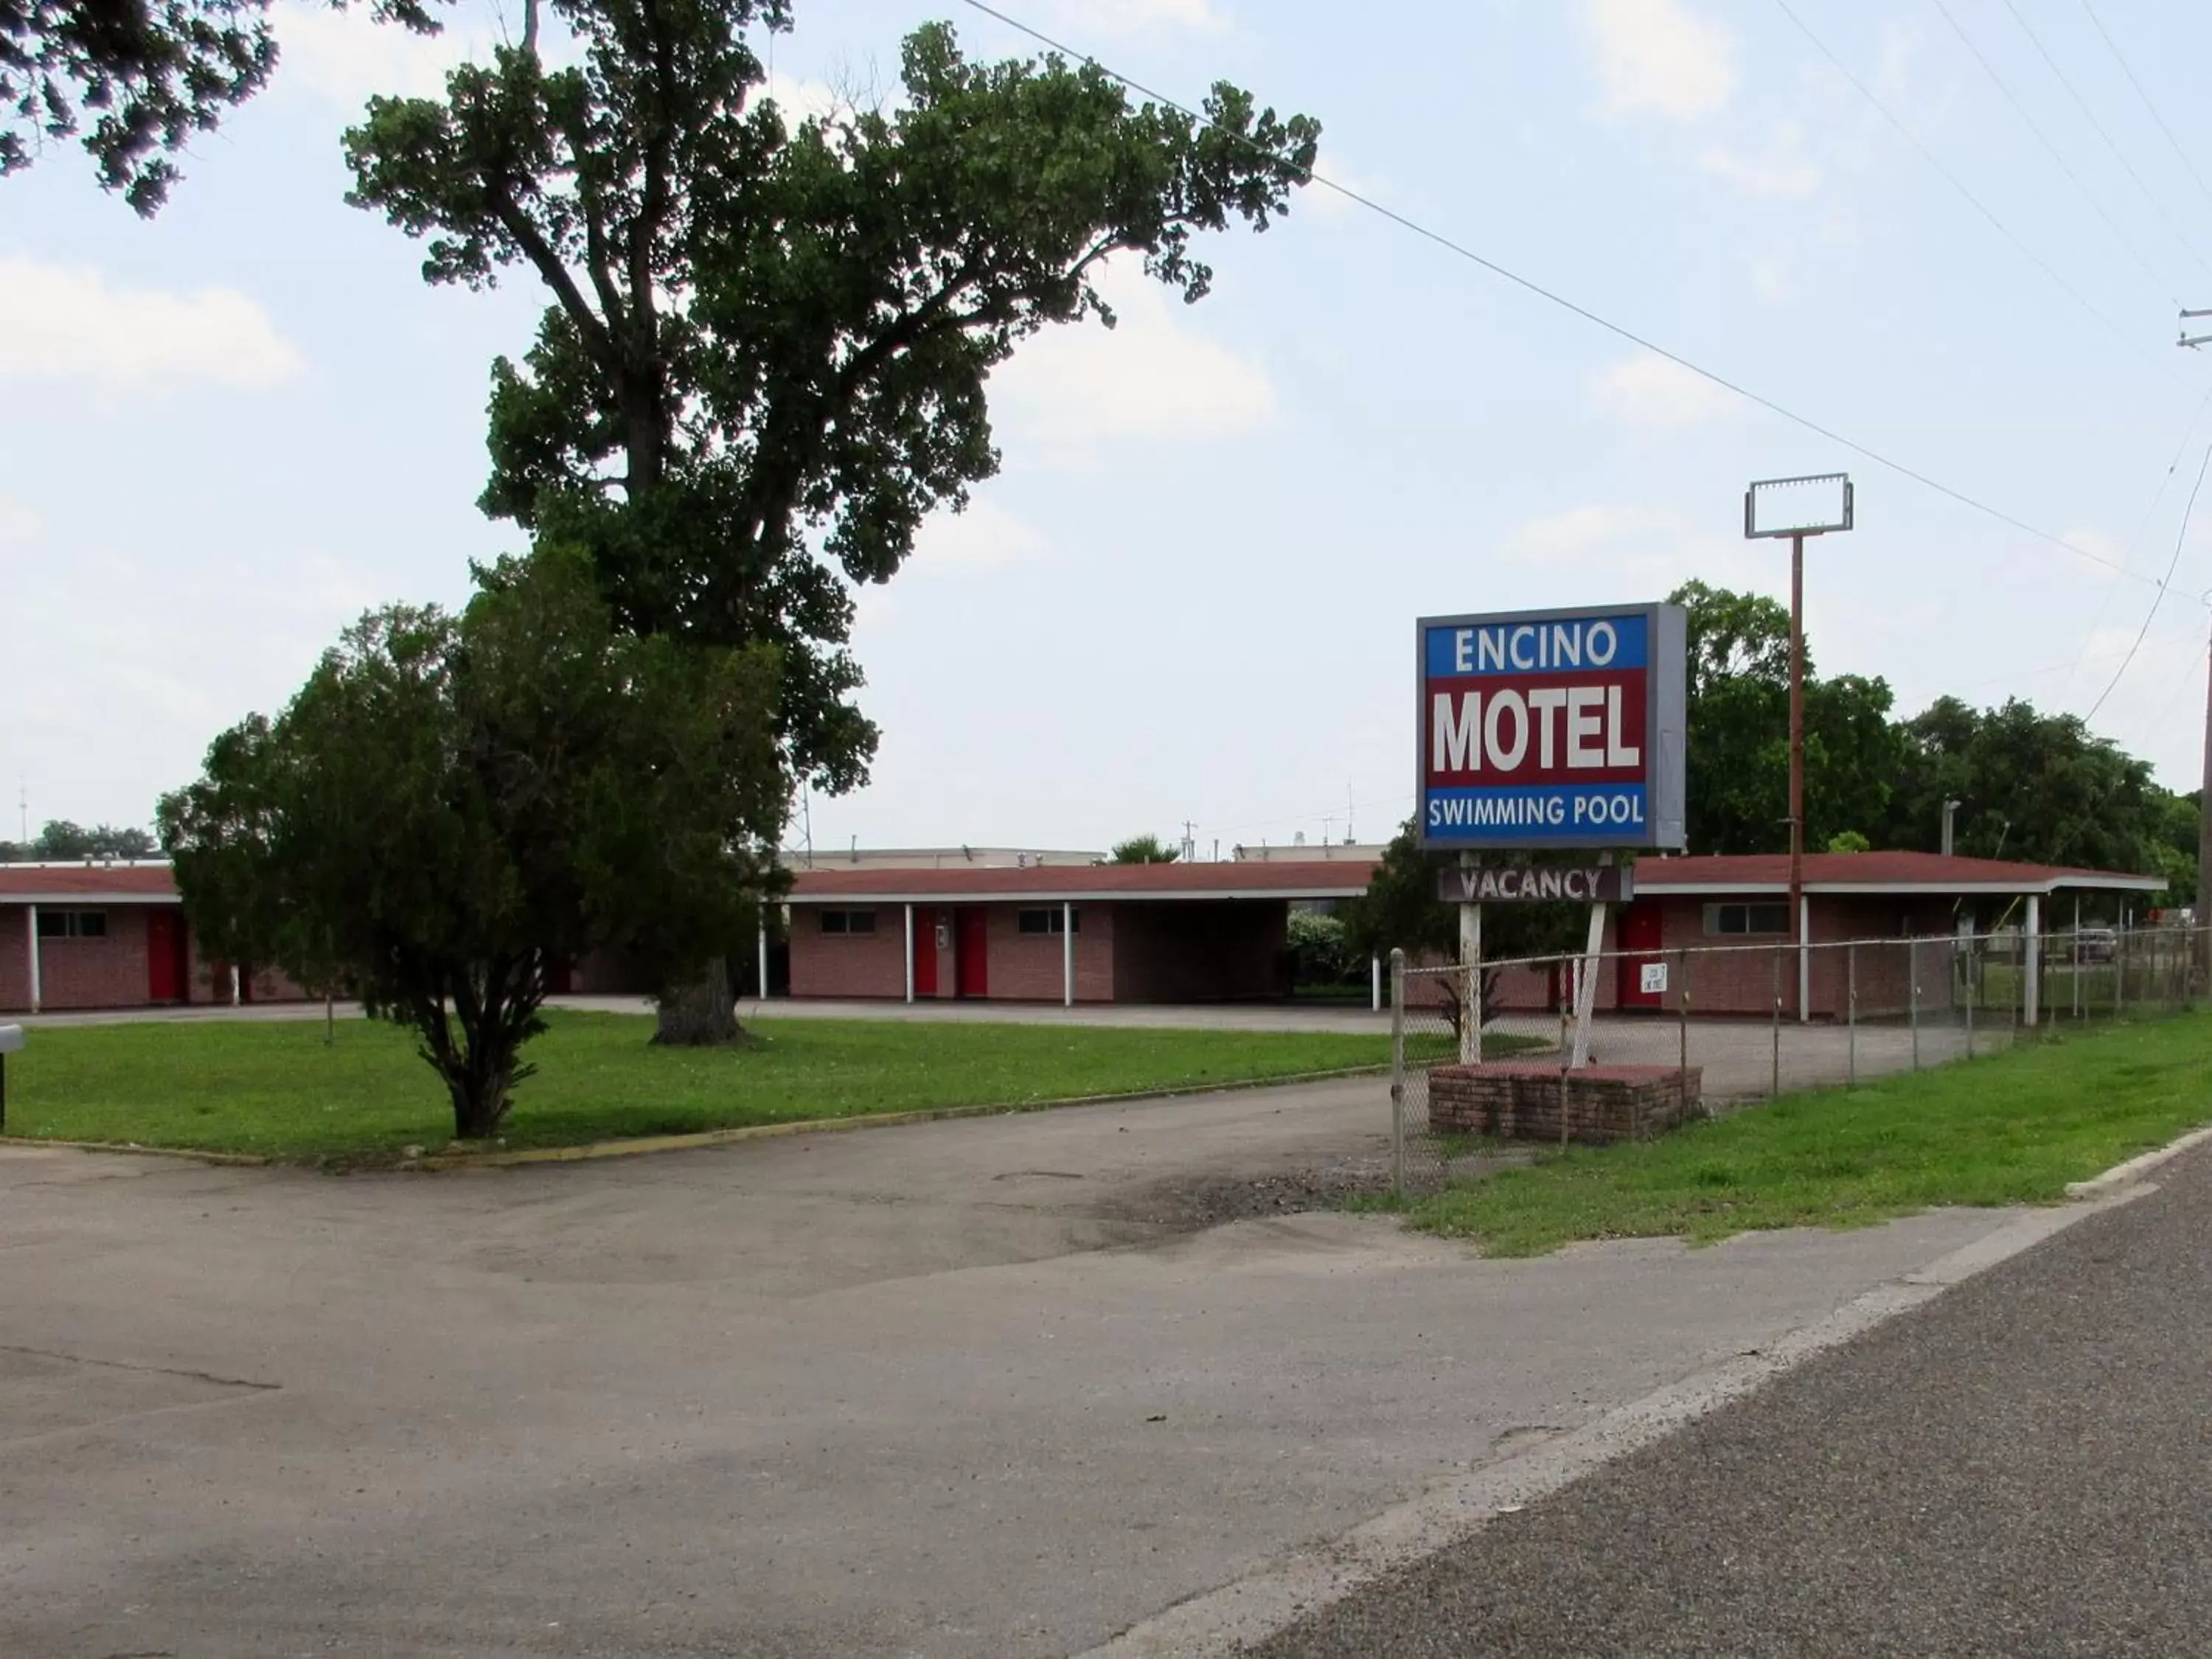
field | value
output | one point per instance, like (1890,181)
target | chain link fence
(1702,1031)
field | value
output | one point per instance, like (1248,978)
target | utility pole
(2203,916)
(1797,508)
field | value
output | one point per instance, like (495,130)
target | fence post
(1912,994)
(1682,1029)
(1776,1088)
(1851,1015)
(1970,996)
(1397,1074)
(2119,972)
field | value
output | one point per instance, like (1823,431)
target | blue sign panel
(1552,728)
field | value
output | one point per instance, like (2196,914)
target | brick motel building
(1069,933)
(109,936)
(937,928)
(1695,904)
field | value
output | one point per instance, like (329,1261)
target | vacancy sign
(1552,728)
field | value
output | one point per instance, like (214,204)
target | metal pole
(1398,1072)
(1797,755)
(1682,1034)
(763,952)
(32,923)
(1066,954)
(2203,917)
(2031,984)
(1375,985)
(909,953)
(1912,993)
(1851,1015)
(2078,958)
(1970,996)
(2119,971)
(1777,1087)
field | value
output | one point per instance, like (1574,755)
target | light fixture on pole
(1797,508)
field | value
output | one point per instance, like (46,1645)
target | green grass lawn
(273,1089)
(2014,1128)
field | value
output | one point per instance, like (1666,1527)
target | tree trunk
(699,1014)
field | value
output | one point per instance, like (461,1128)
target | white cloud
(1642,549)
(20,526)
(1783,171)
(1648,390)
(1659,58)
(66,323)
(346,57)
(1152,377)
(986,537)
(1127,17)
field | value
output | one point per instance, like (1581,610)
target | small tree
(1400,910)
(1145,849)
(452,807)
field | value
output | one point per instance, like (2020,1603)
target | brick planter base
(1520,1101)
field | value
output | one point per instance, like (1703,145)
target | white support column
(31,924)
(763,952)
(2031,1012)
(1586,968)
(1804,957)
(237,986)
(909,953)
(1375,984)
(1470,961)
(1066,955)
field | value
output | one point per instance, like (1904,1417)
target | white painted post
(2032,990)
(1375,984)
(909,953)
(237,987)
(33,913)
(1066,954)
(1586,987)
(1804,957)
(764,953)
(1470,976)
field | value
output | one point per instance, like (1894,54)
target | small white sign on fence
(1651,978)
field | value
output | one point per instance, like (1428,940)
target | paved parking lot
(959,1388)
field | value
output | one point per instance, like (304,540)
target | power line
(2090,115)
(2020,109)
(1949,177)
(1618,331)
(2180,536)
(2120,57)
(2135,541)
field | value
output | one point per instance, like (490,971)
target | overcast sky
(1188,595)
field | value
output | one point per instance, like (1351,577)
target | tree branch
(555,276)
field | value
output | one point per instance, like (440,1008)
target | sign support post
(1470,964)
(1586,999)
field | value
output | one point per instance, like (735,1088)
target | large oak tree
(764,358)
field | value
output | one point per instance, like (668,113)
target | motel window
(72,923)
(1731,919)
(848,921)
(1048,921)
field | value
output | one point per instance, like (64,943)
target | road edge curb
(2122,1175)
(1219,1623)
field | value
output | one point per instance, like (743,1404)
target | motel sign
(1552,728)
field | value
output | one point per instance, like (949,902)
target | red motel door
(971,952)
(165,955)
(924,950)
(1640,936)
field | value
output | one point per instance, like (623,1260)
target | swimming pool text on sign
(1552,728)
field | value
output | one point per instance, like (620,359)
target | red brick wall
(849,965)
(1027,967)
(76,973)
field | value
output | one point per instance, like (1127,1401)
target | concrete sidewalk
(968,1388)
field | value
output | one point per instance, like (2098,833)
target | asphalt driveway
(957,1388)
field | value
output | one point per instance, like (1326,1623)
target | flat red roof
(111,883)
(1887,872)
(1312,878)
